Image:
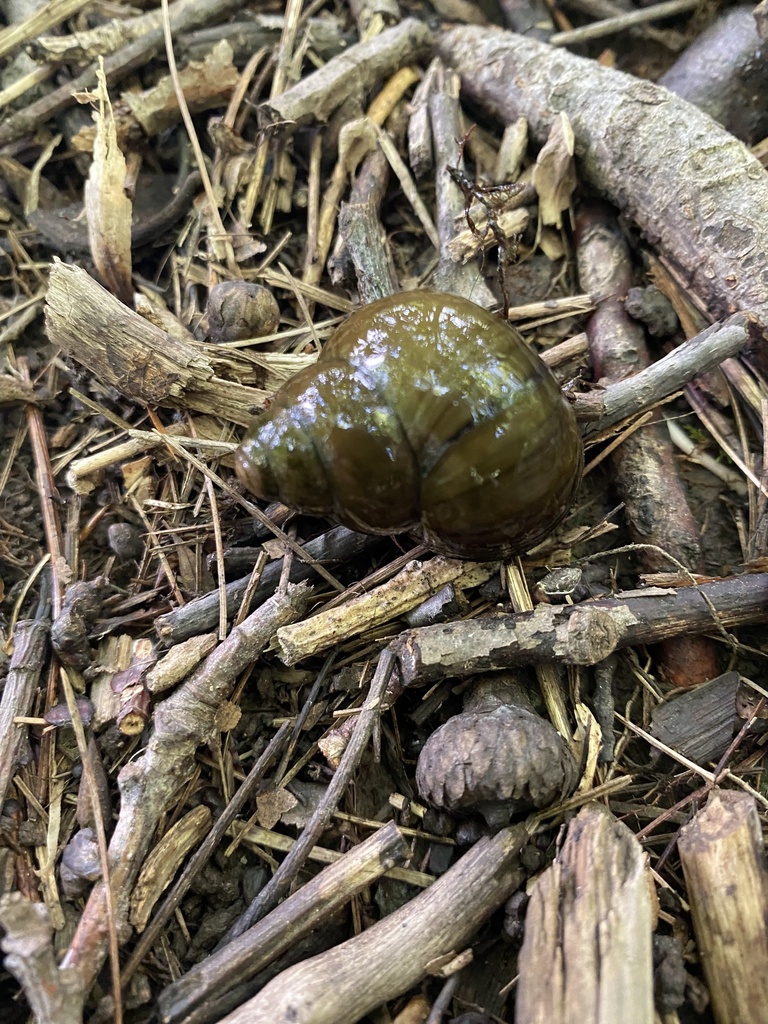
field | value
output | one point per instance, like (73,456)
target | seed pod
(497,757)
(423,413)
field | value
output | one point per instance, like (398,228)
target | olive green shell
(427,414)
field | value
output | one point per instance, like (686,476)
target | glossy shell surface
(427,414)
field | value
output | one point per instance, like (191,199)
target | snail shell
(424,413)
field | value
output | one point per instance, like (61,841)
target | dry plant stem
(55,994)
(280,883)
(723,860)
(354,72)
(107,38)
(150,783)
(588,930)
(315,902)
(445,121)
(601,9)
(218,237)
(546,674)
(414,584)
(259,839)
(117,67)
(387,959)
(204,852)
(337,546)
(30,642)
(48,496)
(666,376)
(623,21)
(378,112)
(362,231)
(645,472)
(92,793)
(368,190)
(564,351)
(325,35)
(580,634)
(686,182)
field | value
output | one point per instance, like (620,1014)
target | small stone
(652,308)
(125,540)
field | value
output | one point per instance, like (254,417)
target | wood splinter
(723,860)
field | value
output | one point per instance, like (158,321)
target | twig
(580,634)
(315,902)
(390,957)
(620,22)
(55,995)
(30,637)
(666,376)
(205,850)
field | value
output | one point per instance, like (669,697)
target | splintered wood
(587,949)
(723,858)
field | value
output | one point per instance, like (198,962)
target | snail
(424,413)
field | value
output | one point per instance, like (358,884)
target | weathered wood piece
(586,954)
(723,860)
(691,187)
(581,634)
(699,723)
(142,361)
(387,959)
(352,73)
(30,641)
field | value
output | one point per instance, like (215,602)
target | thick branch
(691,187)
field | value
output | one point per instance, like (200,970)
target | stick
(389,958)
(588,930)
(582,634)
(723,860)
(55,995)
(29,646)
(308,908)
